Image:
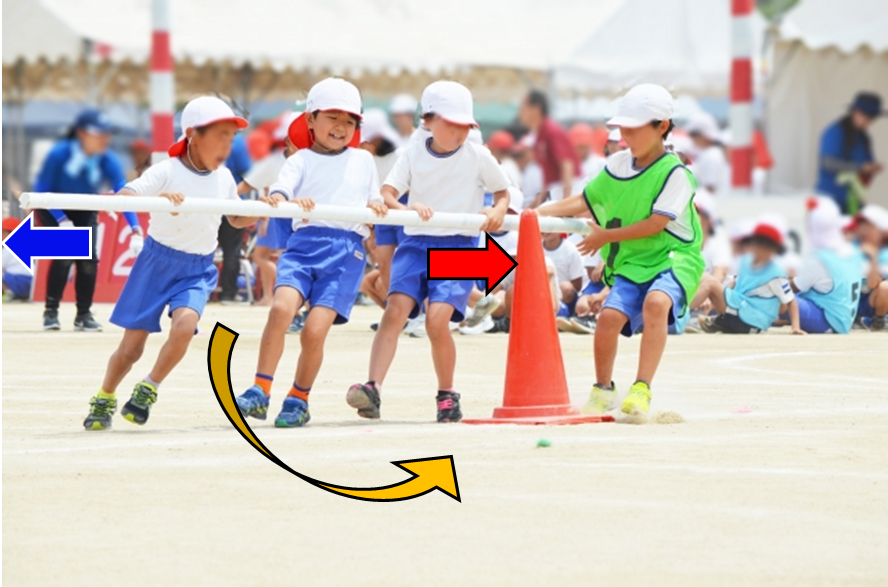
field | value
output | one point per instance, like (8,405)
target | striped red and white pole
(742,51)
(162,83)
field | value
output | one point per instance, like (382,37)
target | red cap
(139,145)
(769,232)
(501,141)
(581,134)
(11,223)
(303,138)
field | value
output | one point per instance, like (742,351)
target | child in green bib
(650,239)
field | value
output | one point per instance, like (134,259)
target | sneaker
(601,400)
(485,326)
(448,406)
(710,324)
(501,324)
(253,403)
(484,308)
(639,399)
(584,324)
(364,397)
(878,323)
(137,409)
(294,413)
(86,323)
(416,327)
(51,320)
(564,324)
(100,411)
(297,324)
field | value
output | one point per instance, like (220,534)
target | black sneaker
(137,409)
(51,320)
(364,397)
(878,323)
(100,411)
(501,324)
(448,407)
(86,323)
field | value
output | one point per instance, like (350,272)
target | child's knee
(183,325)
(610,321)
(131,352)
(657,305)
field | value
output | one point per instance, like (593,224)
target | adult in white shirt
(710,166)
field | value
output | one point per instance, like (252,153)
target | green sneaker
(639,399)
(137,409)
(100,411)
(601,400)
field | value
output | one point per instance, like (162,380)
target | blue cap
(94,121)
(868,103)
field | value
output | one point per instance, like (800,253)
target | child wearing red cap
(16,277)
(324,260)
(175,269)
(760,292)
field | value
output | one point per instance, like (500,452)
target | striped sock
(299,392)
(264,381)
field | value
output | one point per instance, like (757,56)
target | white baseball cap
(642,105)
(451,101)
(334,93)
(703,123)
(875,215)
(286,119)
(201,112)
(705,202)
(376,124)
(403,104)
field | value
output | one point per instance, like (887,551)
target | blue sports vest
(756,311)
(840,304)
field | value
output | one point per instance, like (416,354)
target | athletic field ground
(778,474)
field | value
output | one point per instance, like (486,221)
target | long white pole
(285,210)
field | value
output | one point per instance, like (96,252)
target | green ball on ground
(543,443)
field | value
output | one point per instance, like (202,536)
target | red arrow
(491,264)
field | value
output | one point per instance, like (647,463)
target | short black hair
(656,123)
(355,117)
(538,98)
(765,242)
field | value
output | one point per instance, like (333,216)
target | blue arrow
(28,242)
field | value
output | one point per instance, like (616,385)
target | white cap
(334,94)
(449,100)
(614,136)
(742,229)
(825,224)
(705,202)
(704,124)
(875,215)
(680,143)
(403,104)
(642,105)
(286,119)
(204,111)
(376,124)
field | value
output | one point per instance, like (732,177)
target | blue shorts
(410,274)
(387,234)
(277,234)
(325,265)
(864,308)
(19,284)
(163,276)
(627,297)
(811,318)
(593,287)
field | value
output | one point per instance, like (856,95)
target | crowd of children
(657,260)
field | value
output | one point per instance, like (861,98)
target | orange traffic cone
(536,385)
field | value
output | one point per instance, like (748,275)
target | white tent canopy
(684,45)
(826,53)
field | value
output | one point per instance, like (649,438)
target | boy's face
(761,253)
(582,150)
(643,139)
(447,135)
(213,145)
(551,240)
(404,123)
(93,143)
(333,129)
(867,232)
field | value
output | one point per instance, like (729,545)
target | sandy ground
(778,476)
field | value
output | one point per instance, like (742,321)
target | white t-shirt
(592,166)
(813,275)
(345,179)
(385,164)
(510,168)
(507,240)
(265,172)
(12,265)
(531,183)
(776,288)
(455,182)
(673,202)
(717,251)
(189,233)
(711,170)
(568,261)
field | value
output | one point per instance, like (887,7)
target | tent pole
(742,50)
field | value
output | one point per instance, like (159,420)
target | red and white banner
(115,260)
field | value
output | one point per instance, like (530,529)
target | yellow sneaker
(601,400)
(639,399)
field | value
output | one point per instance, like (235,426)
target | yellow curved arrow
(426,474)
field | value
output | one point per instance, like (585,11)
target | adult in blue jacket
(846,147)
(80,163)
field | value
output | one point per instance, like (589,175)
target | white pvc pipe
(51,201)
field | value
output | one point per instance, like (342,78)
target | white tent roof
(684,45)
(847,25)
(344,35)
(55,40)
